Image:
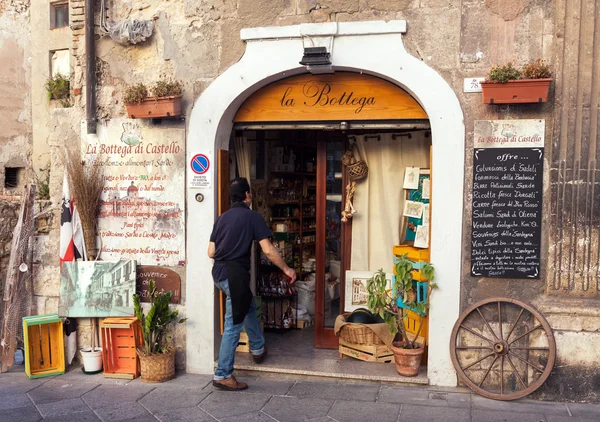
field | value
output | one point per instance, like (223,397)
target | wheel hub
(501,348)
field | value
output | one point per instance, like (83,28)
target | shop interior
(300,186)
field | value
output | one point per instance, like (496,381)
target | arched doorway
(373,48)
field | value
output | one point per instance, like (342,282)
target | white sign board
(527,133)
(473,84)
(142,209)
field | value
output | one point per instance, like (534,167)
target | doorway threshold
(346,368)
(293,353)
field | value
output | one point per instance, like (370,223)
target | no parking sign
(200,176)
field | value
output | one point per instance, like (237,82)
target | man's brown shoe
(230,384)
(259,358)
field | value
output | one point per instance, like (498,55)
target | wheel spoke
(516,372)
(488,371)
(487,324)
(477,334)
(477,361)
(499,321)
(528,332)
(537,368)
(515,324)
(501,370)
(530,348)
(472,347)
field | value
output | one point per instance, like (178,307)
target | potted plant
(163,99)
(508,84)
(59,88)
(391,305)
(157,356)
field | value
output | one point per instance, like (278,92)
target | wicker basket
(359,334)
(157,367)
(357,168)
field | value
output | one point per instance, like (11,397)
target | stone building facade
(196,41)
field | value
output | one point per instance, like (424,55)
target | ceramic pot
(514,92)
(92,359)
(407,361)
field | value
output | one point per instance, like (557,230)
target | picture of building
(97,289)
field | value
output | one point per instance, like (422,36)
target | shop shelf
(414,254)
(44,345)
(121,337)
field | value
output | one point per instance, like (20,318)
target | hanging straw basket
(356,167)
(157,367)
(359,334)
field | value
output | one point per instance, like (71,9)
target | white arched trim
(375,48)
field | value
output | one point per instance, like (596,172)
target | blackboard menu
(507,212)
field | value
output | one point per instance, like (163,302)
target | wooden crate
(121,337)
(367,353)
(302,323)
(44,345)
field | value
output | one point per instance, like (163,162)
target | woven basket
(357,168)
(157,367)
(359,334)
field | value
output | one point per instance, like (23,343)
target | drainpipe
(90,67)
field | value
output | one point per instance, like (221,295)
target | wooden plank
(222,206)
(338,96)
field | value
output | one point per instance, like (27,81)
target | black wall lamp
(316,60)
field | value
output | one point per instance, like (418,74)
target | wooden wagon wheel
(502,348)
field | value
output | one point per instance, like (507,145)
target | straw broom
(86,182)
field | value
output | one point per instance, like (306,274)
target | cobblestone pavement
(78,397)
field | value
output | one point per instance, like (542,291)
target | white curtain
(243,157)
(379,199)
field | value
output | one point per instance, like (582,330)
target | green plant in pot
(391,305)
(507,84)
(157,355)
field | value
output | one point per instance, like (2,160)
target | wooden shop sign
(337,96)
(165,280)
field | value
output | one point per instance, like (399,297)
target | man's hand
(291,274)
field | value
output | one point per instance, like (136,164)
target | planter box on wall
(514,92)
(151,108)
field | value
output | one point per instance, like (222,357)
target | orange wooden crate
(121,337)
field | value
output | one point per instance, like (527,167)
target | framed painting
(90,289)
(356,289)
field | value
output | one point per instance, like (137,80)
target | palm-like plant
(384,302)
(155,323)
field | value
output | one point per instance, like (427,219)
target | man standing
(230,245)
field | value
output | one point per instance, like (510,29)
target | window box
(151,108)
(520,91)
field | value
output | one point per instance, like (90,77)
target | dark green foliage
(384,302)
(503,74)
(59,88)
(155,323)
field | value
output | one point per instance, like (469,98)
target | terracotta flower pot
(151,108)
(513,92)
(407,361)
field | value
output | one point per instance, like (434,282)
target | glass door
(330,240)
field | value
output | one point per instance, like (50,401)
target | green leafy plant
(167,88)
(536,69)
(383,302)
(59,88)
(43,183)
(135,94)
(503,74)
(156,321)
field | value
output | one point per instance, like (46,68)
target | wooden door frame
(325,338)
